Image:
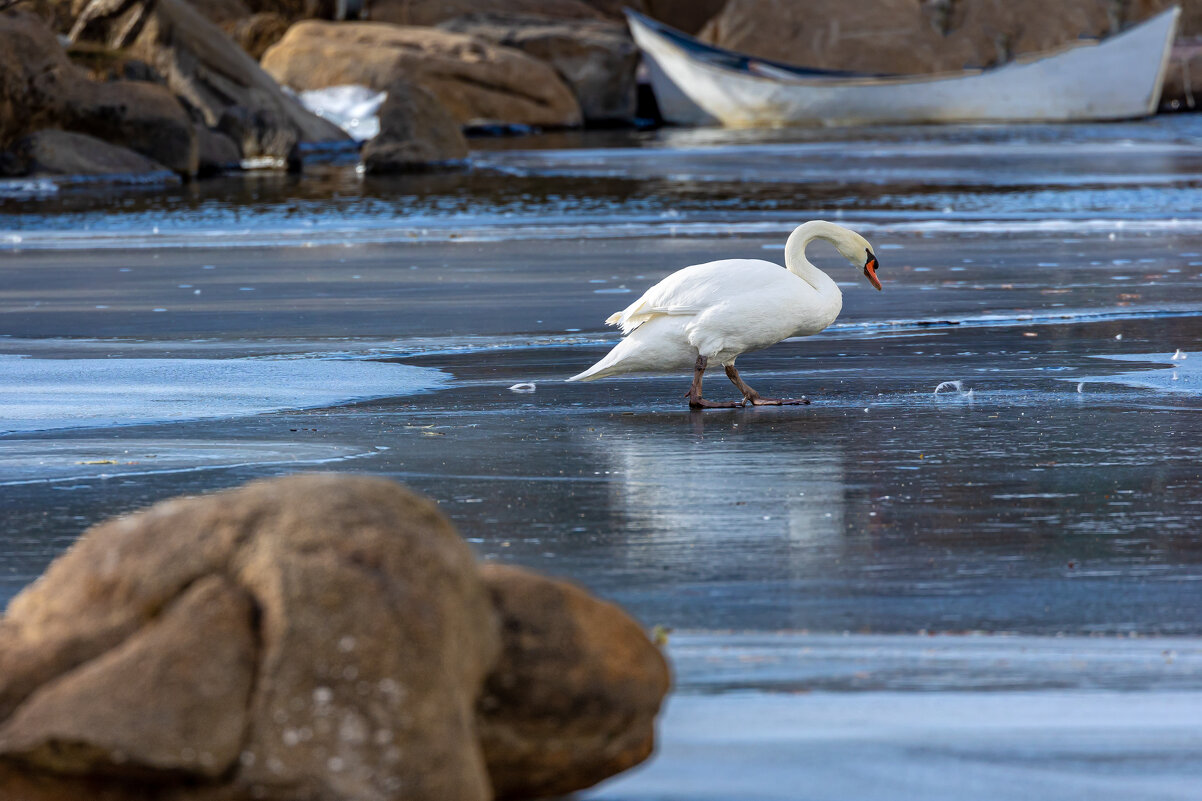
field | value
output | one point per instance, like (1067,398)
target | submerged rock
(597,59)
(476,81)
(314,637)
(574,696)
(416,132)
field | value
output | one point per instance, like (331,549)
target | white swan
(721,309)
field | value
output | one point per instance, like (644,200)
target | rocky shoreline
(174,90)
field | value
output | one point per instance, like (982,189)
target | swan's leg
(753,397)
(694,396)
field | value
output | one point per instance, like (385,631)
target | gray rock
(260,134)
(416,132)
(53,152)
(218,152)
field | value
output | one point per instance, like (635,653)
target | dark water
(1053,270)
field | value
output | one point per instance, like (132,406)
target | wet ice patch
(354,109)
(59,461)
(937,718)
(46,394)
(24,188)
(1177,375)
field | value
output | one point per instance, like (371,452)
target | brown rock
(222,12)
(597,59)
(888,36)
(256,33)
(416,132)
(18,783)
(41,88)
(1183,80)
(911,36)
(373,635)
(574,697)
(474,80)
(689,16)
(171,697)
(202,65)
(432,12)
(53,152)
(105,64)
(142,116)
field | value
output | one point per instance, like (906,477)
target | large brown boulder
(574,697)
(202,65)
(596,58)
(416,133)
(476,81)
(911,36)
(41,88)
(314,637)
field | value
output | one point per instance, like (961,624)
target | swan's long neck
(799,265)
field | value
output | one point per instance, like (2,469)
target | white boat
(1119,77)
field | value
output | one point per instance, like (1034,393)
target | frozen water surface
(45,394)
(1022,262)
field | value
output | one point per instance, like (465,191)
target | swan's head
(850,245)
(858,251)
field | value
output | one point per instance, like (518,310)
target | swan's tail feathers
(614,318)
(609,365)
(592,373)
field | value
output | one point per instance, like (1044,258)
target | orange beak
(870,273)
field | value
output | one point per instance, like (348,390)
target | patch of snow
(354,109)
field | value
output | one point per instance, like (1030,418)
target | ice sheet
(46,394)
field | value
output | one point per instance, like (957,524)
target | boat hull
(1116,78)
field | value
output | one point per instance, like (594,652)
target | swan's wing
(694,289)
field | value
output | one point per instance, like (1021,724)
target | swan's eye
(871,258)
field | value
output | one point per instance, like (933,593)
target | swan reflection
(746,479)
